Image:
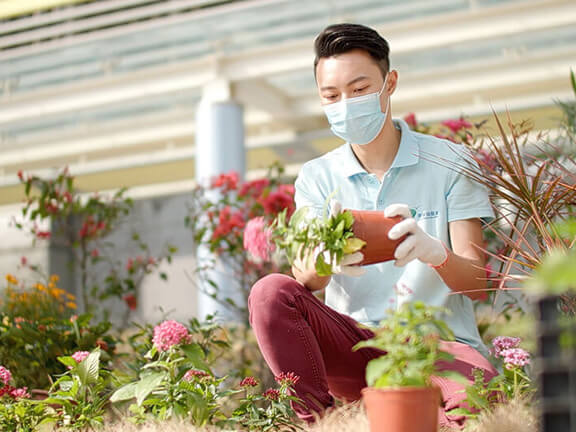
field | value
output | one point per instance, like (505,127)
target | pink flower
(249,382)
(257,238)
(410,119)
(515,357)
(501,343)
(20,393)
(79,356)
(195,373)
(5,376)
(456,124)
(168,334)
(288,378)
(271,394)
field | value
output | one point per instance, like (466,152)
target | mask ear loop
(388,98)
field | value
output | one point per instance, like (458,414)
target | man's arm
(464,270)
(309,278)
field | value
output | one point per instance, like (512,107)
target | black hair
(342,38)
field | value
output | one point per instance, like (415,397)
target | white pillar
(219,149)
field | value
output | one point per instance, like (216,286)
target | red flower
(282,198)
(271,394)
(23,260)
(20,175)
(130,300)
(102,344)
(226,181)
(410,119)
(227,222)
(95,253)
(288,378)
(195,373)
(249,382)
(43,234)
(253,188)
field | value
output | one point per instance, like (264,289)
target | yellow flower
(51,285)
(40,287)
(70,296)
(71,305)
(54,278)
(11,279)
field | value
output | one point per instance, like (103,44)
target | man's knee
(273,288)
(271,294)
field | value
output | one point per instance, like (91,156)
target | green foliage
(325,239)
(78,398)
(30,349)
(177,383)
(411,338)
(257,411)
(21,415)
(83,224)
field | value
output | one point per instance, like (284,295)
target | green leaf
(378,367)
(89,367)
(125,392)
(196,355)
(68,361)
(147,384)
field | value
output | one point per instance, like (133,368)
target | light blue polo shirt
(424,176)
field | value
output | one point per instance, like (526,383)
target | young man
(382,166)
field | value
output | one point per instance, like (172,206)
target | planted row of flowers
(172,379)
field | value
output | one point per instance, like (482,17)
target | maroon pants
(298,333)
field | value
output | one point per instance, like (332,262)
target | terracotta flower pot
(405,409)
(372,227)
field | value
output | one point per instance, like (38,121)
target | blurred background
(155,95)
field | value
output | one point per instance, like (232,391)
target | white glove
(418,244)
(346,266)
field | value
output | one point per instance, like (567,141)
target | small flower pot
(372,227)
(405,409)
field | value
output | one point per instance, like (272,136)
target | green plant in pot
(329,238)
(400,396)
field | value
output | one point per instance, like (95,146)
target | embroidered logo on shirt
(419,214)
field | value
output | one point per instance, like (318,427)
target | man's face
(350,75)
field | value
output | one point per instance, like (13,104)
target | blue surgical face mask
(357,120)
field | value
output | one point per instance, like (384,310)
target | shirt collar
(408,152)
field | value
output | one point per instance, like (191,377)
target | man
(382,166)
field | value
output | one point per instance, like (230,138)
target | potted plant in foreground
(400,396)
(331,237)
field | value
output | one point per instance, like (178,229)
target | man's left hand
(418,244)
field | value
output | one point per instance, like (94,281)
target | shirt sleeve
(466,198)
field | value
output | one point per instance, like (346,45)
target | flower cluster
(271,394)
(257,238)
(502,343)
(506,348)
(195,373)
(7,389)
(168,334)
(287,378)
(36,300)
(79,356)
(249,382)
(515,357)
(5,376)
